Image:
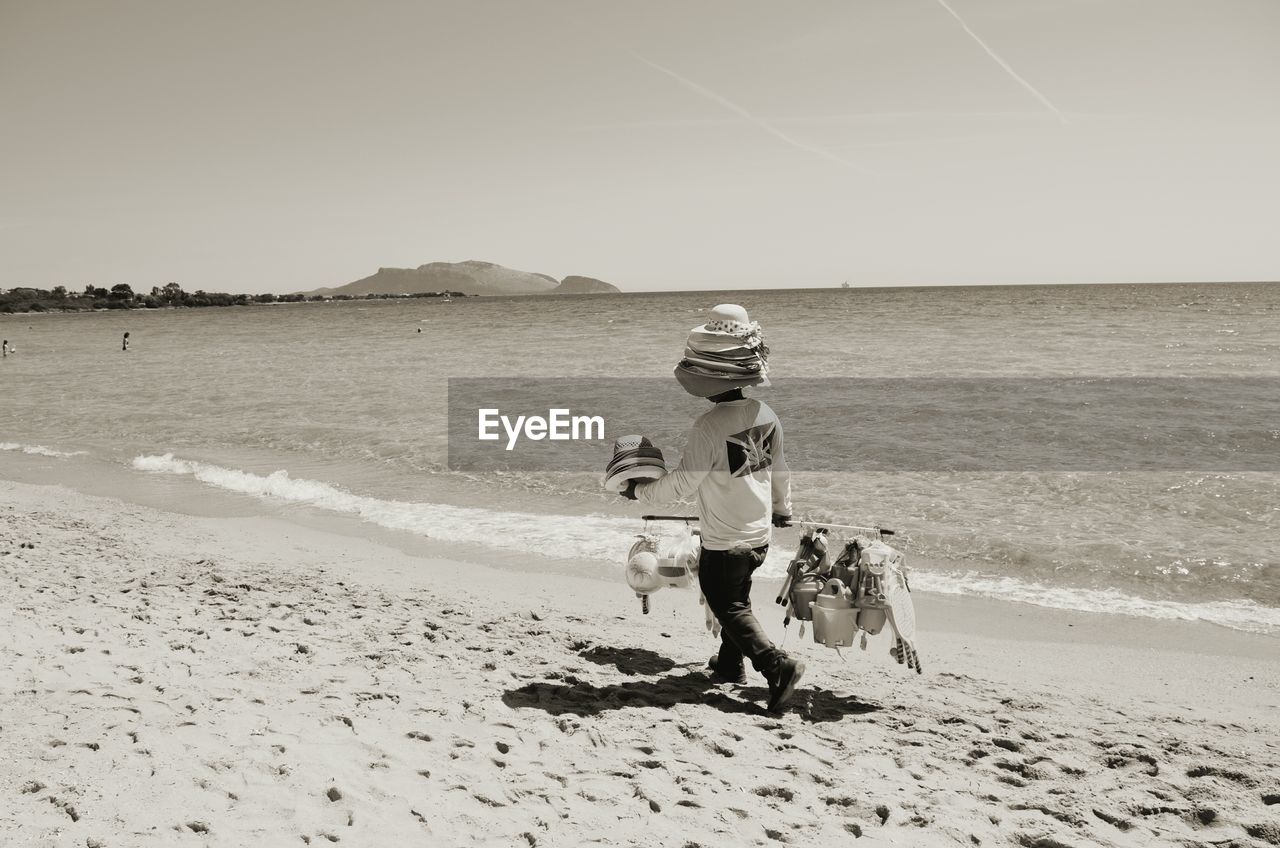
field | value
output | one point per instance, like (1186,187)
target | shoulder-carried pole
(826,525)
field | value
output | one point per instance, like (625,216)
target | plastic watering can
(835,621)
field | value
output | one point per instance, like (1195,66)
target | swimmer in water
(125,344)
(5,348)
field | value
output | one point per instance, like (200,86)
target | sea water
(341,407)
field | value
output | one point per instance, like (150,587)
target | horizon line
(832,287)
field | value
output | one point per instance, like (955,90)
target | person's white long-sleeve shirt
(734,461)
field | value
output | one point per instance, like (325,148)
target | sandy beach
(170,679)
(359,362)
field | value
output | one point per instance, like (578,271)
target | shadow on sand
(691,687)
(630,661)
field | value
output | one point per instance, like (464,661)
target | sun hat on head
(721,347)
(727,325)
(726,319)
(742,367)
(634,458)
(726,352)
(700,384)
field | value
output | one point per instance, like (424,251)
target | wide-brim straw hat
(742,367)
(728,332)
(617,481)
(724,353)
(706,342)
(631,455)
(700,382)
(628,466)
(727,319)
(730,347)
(634,458)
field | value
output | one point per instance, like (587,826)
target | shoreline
(973,618)
(544,704)
(91,472)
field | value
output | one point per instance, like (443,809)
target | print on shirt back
(751,450)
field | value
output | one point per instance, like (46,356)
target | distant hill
(471,277)
(584,285)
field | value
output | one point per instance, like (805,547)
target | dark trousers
(725,578)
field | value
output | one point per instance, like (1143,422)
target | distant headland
(437,279)
(472,277)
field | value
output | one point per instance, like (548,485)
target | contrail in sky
(1002,63)
(837,119)
(738,110)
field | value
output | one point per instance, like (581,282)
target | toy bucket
(804,592)
(835,621)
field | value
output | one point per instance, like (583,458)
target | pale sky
(278,146)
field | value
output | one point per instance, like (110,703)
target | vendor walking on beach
(734,462)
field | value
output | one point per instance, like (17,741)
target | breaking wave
(1238,615)
(39,450)
(556,536)
(605,539)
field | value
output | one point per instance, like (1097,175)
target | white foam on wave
(592,537)
(606,539)
(1238,615)
(39,450)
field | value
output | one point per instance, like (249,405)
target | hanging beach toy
(657,561)
(854,596)
(835,622)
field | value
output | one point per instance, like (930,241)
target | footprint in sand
(779,792)
(1226,774)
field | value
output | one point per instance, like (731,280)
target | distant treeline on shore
(122,296)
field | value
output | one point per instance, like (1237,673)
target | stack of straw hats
(727,352)
(634,458)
